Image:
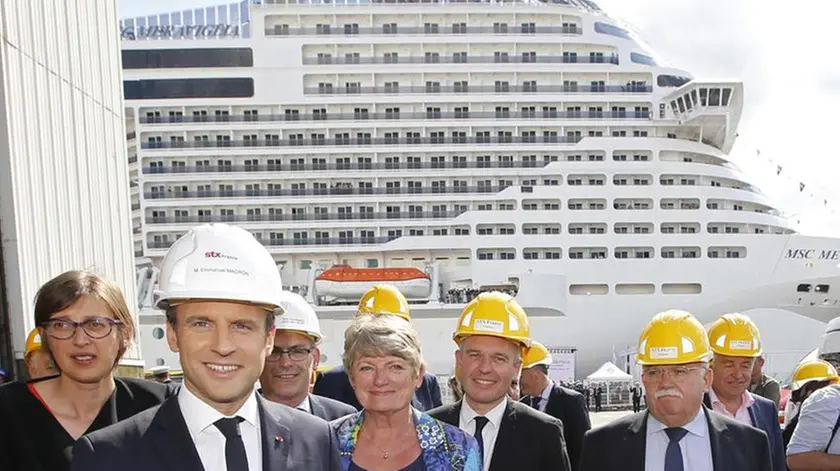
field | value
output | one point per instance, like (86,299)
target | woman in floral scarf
(383,359)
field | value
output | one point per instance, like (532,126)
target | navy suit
(765,417)
(621,445)
(158,439)
(568,406)
(335,384)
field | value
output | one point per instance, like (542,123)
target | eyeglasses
(95,327)
(295,353)
(678,373)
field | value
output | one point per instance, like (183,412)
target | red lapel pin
(278,440)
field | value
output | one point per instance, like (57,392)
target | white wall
(64,199)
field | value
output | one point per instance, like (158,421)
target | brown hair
(64,290)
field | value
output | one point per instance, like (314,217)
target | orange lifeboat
(345,283)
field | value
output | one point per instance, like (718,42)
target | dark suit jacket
(621,445)
(527,439)
(568,406)
(159,440)
(335,384)
(764,417)
(329,409)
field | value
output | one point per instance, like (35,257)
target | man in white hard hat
(220,289)
(161,374)
(291,366)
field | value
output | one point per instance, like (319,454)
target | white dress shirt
(696,448)
(491,430)
(546,394)
(305,405)
(209,441)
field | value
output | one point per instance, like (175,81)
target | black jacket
(31,439)
(335,384)
(527,439)
(329,409)
(620,445)
(568,406)
(159,440)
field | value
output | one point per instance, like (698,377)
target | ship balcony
(135,207)
(341,166)
(363,141)
(305,218)
(299,242)
(527,29)
(469,59)
(401,116)
(525,88)
(334,191)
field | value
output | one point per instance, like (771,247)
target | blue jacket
(335,384)
(765,417)
(444,447)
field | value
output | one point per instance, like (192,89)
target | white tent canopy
(609,372)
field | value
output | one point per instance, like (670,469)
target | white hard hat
(299,316)
(830,340)
(159,370)
(219,262)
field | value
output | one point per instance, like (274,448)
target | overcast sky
(791,79)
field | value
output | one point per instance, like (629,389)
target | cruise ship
(453,147)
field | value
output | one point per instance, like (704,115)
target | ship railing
(336,191)
(400,116)
(287,167)
(363,141)
(256,218)
(468,89)
(486,59)
(387,30)
(165,244)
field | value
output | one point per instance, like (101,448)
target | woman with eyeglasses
(86,328)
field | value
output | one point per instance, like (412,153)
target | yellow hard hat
(814,370)
(33,341)
(538,354)
(495,314)
(384,299)
(735,335)
(673,338)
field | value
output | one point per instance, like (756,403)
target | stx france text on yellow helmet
(384,299)
(495,314)
(735,335)
(814,370)
(673,338)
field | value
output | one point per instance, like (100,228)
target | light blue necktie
(673,454)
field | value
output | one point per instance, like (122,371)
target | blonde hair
(380,336)
(64,290)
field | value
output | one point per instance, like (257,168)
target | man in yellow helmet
(381,300)
(492,332)
(736,344)
(549,397)
(39,364)
(676,432)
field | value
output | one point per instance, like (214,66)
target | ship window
(372,263)
(305,264)
(642,59)
(803,288)
(187,58)
(612,30)
(727,92)
(188,88)
(821,289)
(671,81)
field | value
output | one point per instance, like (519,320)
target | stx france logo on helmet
(213,254)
